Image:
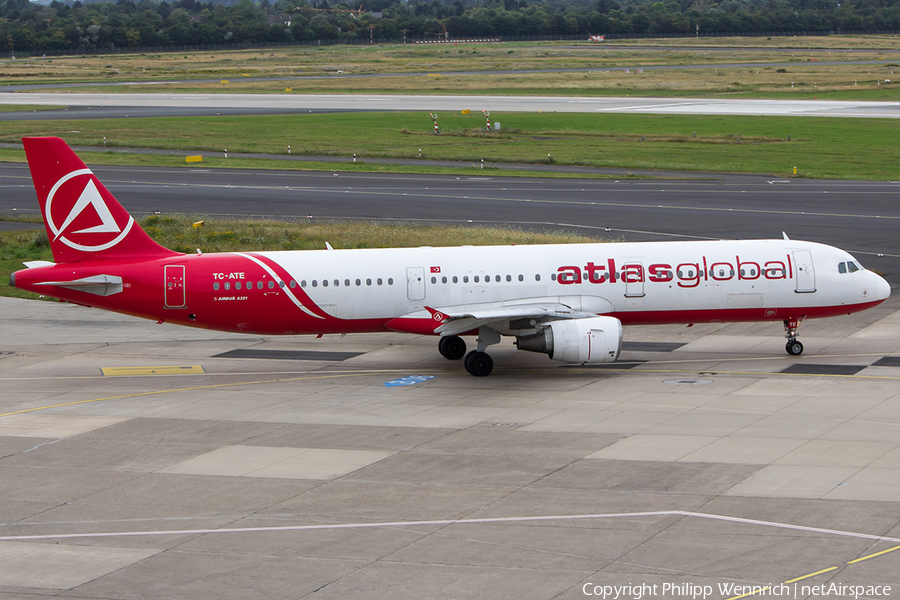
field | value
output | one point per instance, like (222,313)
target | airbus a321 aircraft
(567,301)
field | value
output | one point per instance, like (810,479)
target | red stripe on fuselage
(297,292)
(737,315)
(658,317)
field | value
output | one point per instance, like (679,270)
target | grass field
(325,69)
(218,235)
(803,81)
(217,161)
(26,107)
(820,147)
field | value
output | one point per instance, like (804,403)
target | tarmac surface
(147,461)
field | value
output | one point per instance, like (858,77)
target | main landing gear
(477,362)
(793,347)
(452,347)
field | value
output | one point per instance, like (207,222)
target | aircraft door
(806,275)
(415,283)
(174,295)
(633,276)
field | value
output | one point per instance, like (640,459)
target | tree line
(83,27)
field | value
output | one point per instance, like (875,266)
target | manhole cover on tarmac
(687,381)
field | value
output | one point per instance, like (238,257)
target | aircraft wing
(458,322)
(500,316)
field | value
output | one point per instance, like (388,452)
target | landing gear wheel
(794,348)
(479,364)
(452,347)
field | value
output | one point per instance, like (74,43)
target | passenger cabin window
(455,279)
(271,284)
(379,281)
(216,285)
(259,285)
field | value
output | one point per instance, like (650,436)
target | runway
(260,103)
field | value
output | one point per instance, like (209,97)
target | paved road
(262,103)
(861,217)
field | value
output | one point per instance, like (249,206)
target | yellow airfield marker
(164,370)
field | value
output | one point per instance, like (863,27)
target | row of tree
(78,26)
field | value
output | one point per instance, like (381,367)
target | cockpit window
(851,266)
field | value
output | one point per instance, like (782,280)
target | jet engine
(592,340)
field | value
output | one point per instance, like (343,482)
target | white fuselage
(656,282)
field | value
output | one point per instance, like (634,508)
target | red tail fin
(84,221)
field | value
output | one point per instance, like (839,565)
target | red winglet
(436,314)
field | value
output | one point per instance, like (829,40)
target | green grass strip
(829,148)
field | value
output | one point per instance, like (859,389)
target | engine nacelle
(593,340)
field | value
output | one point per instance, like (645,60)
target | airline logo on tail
(80,218)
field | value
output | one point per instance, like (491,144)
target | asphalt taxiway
(150,461)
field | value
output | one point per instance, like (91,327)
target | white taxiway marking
(662,513)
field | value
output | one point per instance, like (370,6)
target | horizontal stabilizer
(100,285)
(33,264)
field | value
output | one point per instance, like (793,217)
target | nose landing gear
(793,347)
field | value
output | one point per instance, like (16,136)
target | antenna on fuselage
(785,236)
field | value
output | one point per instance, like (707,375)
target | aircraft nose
(883,289)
